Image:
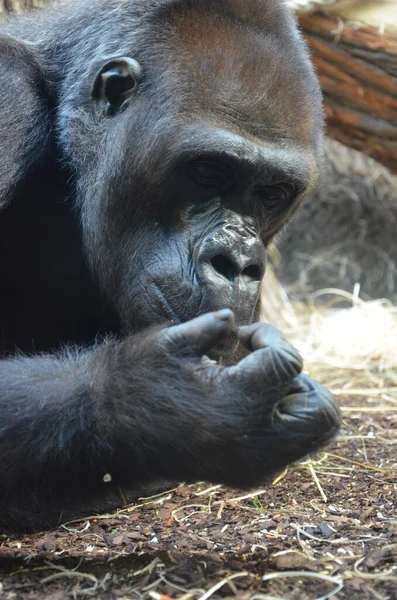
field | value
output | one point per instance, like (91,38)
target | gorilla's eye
(208,174)
(278,196)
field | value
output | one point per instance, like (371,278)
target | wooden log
(379,13)
(357,66)
(10,6)
(345,233)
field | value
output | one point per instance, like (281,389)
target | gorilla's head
(196,135)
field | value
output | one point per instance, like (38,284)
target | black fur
(149,151)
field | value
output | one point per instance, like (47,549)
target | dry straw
(344,340)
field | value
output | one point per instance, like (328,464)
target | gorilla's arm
(151,407)
(68,421)
(24,115)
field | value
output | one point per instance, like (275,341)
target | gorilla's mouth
(226,347)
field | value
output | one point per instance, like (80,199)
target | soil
(327,524)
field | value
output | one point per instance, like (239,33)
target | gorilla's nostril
(232,270)
(225,267)
(253,272)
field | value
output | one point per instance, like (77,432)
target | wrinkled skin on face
(149,152)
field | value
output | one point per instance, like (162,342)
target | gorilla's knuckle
(309,410)
(290,356)
(287,363)
(271,332)
(166,339)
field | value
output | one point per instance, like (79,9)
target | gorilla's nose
(234,258)
(233,267)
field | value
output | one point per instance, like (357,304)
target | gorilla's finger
(258,336)
(273,366)
(311,403)
(198,336)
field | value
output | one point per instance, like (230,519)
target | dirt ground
(327,525)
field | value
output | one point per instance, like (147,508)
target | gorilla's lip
(226,347)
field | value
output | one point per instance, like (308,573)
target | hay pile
(304,6)
(353,347)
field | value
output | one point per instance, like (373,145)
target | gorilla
(149,152)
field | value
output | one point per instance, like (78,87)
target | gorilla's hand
(194,419)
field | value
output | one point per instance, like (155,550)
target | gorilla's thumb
(198,336)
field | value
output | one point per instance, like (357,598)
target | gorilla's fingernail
(224,315)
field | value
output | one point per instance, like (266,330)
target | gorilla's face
(211,131)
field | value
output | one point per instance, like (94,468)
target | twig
(220,584)
(299,574)
(317,482)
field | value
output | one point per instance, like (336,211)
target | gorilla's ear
(25,116)
(115,82)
